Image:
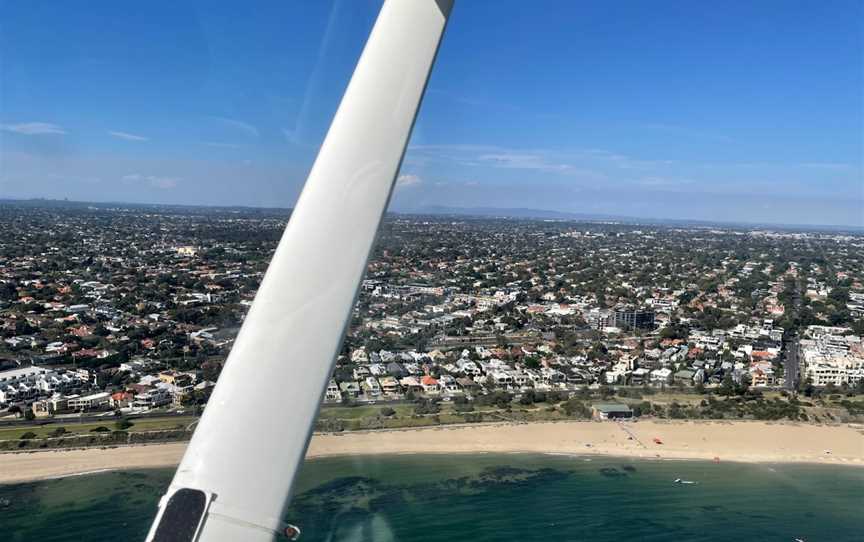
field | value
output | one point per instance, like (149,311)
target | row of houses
(29,383)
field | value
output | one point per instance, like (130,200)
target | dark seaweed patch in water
(490,478)
(346,485)
(628,468)
(122,504)
(356,500)
(134,475)
(612,472)
(387,501)
(21,496)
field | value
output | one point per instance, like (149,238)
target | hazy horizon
(517,213)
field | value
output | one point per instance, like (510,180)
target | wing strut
(235,479)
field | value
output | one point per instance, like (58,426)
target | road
(93,418)
(791,365)
(790,362)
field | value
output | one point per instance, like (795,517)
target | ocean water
(484,498)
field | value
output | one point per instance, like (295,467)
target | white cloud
(584,164)
(33,128)
(523,161)
(405,181)
(244,127)
(153,180)
(127,136)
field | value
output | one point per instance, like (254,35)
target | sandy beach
(725,441)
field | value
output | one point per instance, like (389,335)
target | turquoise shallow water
(486,497)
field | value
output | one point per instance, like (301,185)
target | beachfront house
(349,389)
(94,401)
(332,395)
(611,411)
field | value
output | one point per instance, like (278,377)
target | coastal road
(790,345)
(790,362)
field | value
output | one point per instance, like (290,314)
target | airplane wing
(235,480)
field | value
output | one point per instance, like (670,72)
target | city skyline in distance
(477,213)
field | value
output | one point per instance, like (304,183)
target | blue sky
(746,111)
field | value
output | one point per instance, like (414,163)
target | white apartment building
(838,370)
(88,402)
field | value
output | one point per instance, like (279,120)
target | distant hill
(39,203)
(517,212)
(545,214)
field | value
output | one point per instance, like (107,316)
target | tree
(28,435)
(727,387)
(838,317)
(598,351)
(676,412)
(123,423)
(643,408)
(532,363)
(840,296)
(743,384)
(807,387)
(674,331)
(576,408)
(426,406)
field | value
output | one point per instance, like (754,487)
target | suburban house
(412,384)
(430,385)
(122,399)
(389,385)
(332,394)
(349,389)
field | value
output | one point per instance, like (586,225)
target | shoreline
(724,441)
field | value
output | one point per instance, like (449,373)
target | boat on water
(682,481)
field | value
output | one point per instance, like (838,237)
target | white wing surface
(235,479)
